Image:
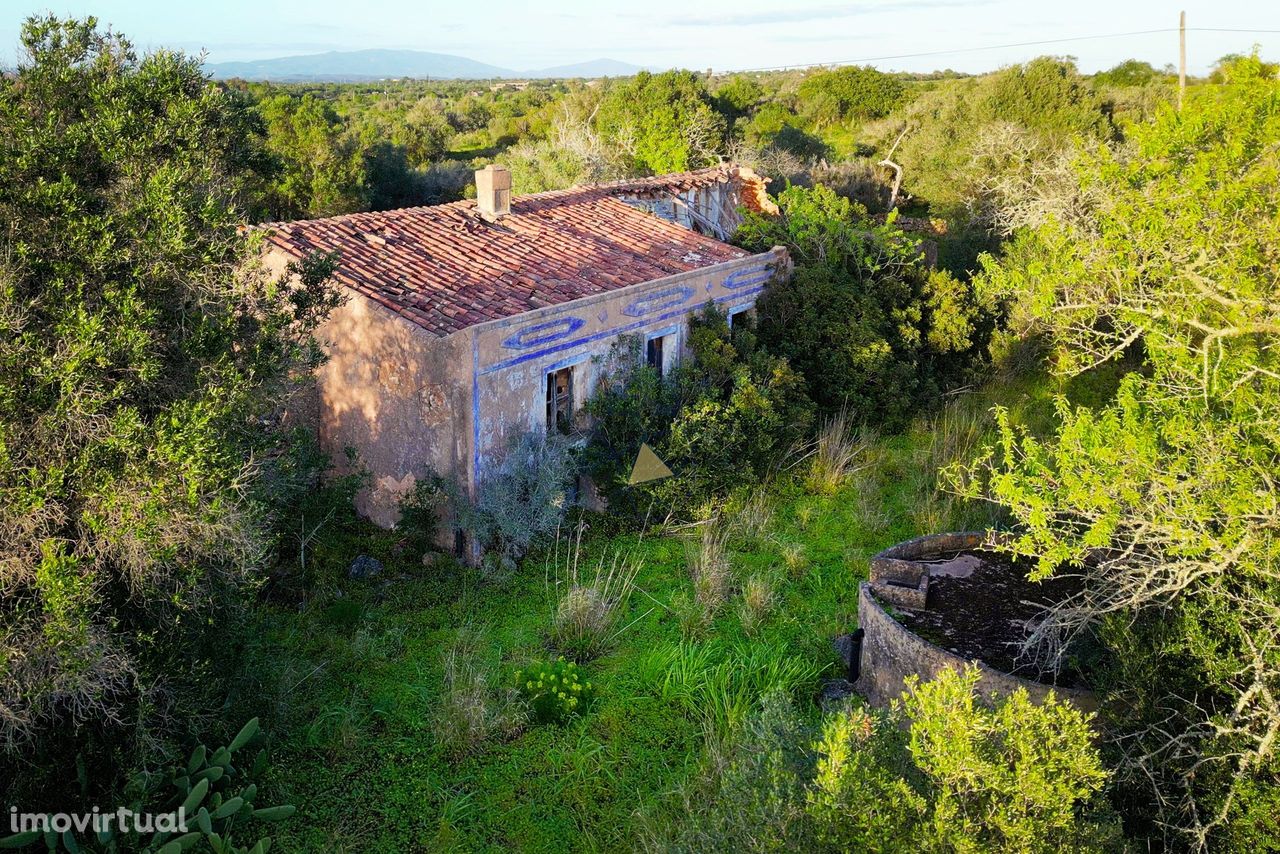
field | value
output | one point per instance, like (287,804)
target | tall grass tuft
(794,557)
(835,455)
(756,603)
(587,617)
(749,517)
(474,706)
(709,567)
(954,436)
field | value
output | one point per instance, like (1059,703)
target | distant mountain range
(356,65)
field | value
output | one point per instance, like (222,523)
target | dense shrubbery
(863,319)
(965,777)
(849,94)
(143,371)
(720,420)
(522,499)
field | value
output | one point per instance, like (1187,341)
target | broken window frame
(560,408)
(666,344)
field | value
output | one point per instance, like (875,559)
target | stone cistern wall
(891,652)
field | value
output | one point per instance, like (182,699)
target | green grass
(346,684)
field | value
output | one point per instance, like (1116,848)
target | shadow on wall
(389,390)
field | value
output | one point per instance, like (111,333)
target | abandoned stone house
(469,322)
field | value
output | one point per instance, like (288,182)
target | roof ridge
(584,190)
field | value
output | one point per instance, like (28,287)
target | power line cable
(1011,44)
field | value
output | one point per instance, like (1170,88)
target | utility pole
(1182,58)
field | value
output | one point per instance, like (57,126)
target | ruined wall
(713,209)
(396,394)
(510,358)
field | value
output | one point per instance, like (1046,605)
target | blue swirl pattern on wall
(746,278)
(543,333)
(670,298)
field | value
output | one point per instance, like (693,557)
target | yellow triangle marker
(648,467)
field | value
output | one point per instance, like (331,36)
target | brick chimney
(493,192)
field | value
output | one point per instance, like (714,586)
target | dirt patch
(983,610)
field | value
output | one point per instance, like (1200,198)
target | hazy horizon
(720,35)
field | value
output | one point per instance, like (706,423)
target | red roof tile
(445,269)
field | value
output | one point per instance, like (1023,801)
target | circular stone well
(950,600)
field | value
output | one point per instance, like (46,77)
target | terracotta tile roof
(445,269)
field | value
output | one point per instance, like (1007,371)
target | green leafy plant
(213,795)
(721,419)
(1163,497)
(555,691)
(965,776)
(875,334)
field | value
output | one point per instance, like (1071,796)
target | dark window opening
(560,400)
(742,317)
(653,354)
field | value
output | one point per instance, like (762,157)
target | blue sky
(720,35)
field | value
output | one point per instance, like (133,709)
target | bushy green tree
(863,319)
(853,93)
(1131,72)
(739,96)
(1165,499)
(965,138)
(970,774)
(143,366)
(321,169)
(425,133)
(664,122)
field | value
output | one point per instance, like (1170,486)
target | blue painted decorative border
(746,278)
(561,326)
(608,333)
(658,301)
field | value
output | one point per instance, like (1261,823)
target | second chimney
(493,192)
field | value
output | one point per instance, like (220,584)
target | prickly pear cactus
(212,793)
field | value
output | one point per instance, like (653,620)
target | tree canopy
(1165,499)
(142,364)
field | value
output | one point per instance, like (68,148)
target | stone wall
(395,394)
(900,580)
(891,652)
